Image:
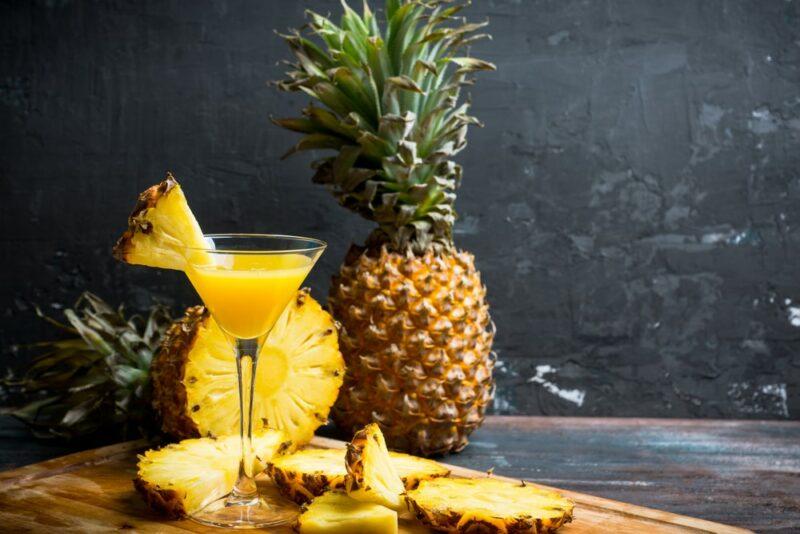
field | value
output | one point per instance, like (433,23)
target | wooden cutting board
(91,491)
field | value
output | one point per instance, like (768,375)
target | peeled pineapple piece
(371,475)
(182,478)
(461,505)
(308,473)
(336,513)
(160,229)
(300,370)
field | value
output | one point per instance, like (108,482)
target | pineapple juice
(246,293)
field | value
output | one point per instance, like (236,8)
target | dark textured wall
(633,201)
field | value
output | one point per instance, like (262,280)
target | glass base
(260,512)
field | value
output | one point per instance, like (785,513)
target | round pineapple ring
(298,376)
(488,505)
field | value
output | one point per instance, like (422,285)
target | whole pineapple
(416,333)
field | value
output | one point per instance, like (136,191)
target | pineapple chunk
(309,473)
(371,476)
(182,478)
(160,229)
(336,513)
(485,505)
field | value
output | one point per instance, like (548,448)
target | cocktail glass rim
(317,244)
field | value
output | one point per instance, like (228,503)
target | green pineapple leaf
(96,379)
(390,104)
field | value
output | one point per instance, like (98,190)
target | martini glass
(246,281)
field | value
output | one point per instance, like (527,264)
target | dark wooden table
(744,473)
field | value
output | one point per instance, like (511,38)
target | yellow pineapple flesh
(298,376)
(337,513)
(416,336)
(308,473)
(182,478)
(371,476)
(460,505)
(160,229)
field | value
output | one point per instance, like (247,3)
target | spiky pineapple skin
(354,461)
(148,199)
(446,522)
(416,337)
(167,372)
(166,502)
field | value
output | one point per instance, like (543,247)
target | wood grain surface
(745,473)
(91,491)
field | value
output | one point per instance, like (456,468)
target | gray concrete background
(632,201)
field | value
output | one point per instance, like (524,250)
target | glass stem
(245,491)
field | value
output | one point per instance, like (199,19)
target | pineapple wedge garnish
(182,478)
(160,229)
(309,473)
(371,475)
(461,505)
(337,513)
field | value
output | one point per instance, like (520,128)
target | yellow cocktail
(246,293)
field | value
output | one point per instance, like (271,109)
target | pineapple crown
(390,107)
(98,378)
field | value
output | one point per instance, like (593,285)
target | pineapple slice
(297,378)
(160,228)
(371,476)
(182,478)
(486,505)
(311,472)
(336,513)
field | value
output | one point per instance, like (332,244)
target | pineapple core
(336,513)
